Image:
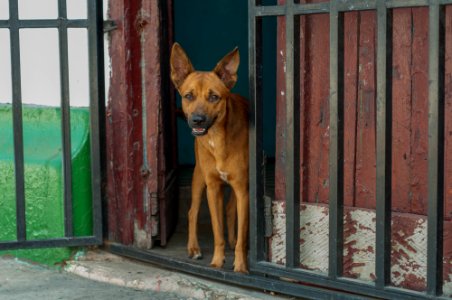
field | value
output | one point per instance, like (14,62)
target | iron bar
(406,3)
(50,243)
(65,120)
(336,152)
(383,151)
(435,149)
(256,193)
(292,152)
(342,6)
(263,11)
(354,5)
(311,8)
(97,108)
(45,23)
(17,121)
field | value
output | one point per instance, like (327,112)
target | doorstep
(105,267)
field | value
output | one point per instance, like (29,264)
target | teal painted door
(207,30)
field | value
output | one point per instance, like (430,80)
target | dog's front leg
(215,201)
(241,248)
(197,187)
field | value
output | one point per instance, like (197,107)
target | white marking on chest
(223,175)
(211,143)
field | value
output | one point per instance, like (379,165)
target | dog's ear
(181,66)
(227,68)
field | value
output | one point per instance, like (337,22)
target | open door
(141,147)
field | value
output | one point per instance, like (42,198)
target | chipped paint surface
(278,241)
(409,245)
(409,252)
(142,238)
(313,237)
(359,244)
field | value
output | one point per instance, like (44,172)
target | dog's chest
(216,148)
(223,175)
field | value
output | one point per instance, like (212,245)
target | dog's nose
(198,119)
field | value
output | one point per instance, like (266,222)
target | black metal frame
(95,37)
(334,279)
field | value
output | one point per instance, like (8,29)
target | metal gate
(335,280)
(290,278)
(96,110)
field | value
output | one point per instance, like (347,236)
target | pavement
(101,275)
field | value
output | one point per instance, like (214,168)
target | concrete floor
(103,276)
(23,281)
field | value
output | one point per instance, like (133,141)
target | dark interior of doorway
(207,30)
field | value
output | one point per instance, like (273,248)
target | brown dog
(219,121)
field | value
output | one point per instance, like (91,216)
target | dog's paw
(217,262)
(197,256)
(240,264)
(240,268)
(194,253)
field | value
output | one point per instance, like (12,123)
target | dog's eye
(189,96)
(214,98)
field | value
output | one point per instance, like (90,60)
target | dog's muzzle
(199,124)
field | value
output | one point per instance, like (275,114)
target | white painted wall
(40,71)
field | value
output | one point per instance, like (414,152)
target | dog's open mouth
(198,131)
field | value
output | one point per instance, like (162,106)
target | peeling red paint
(138,66)
(409,247)
(410,113)
(123,128)
(413,282)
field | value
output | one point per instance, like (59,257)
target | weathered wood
(140,125)
(409,110)
(124,143)
(351,69)
(365,136)
(401,111)
(315,108)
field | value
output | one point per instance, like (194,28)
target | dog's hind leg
(231,218)
(197,187)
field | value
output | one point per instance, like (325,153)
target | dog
(219,121)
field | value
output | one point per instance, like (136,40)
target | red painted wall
(410,109)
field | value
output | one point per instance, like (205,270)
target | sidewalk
(100,275)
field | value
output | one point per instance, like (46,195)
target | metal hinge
(109,25)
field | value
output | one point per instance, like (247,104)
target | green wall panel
(44,178)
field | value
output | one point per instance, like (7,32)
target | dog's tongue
(198,130)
